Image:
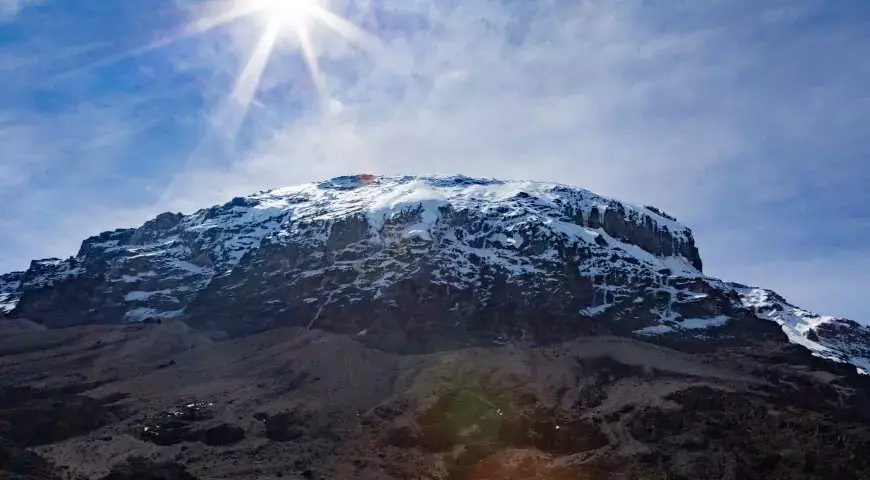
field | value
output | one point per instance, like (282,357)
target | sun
(296,13)
(297,20)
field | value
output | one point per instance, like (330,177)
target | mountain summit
(419,264)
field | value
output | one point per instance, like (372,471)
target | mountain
(450,328)
(427,262)
(418,264)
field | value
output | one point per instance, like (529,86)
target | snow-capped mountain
(416,263)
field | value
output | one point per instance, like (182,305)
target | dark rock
(19,463)
(33,417)
(284,427)
(166,432)
(223,434)
(176,425)
(737,433)
(140,469)
(192,412)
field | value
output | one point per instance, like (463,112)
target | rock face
(419,264)
(10,286)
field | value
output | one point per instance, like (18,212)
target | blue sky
(748,120)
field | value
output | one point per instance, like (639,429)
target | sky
(747,120)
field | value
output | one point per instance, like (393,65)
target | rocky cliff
(420,264)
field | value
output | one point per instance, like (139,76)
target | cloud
(9,9)
(51,185)
(746,120)
(584,87)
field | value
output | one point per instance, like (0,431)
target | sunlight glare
(295,13)
(296,19)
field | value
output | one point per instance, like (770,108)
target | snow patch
(414,197)
(8,301)
(797,324)
(672,326)
(137,315)
(138,296)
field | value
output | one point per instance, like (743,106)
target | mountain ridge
(382,257)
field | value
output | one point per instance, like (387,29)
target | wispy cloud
(745,119)
(10,9)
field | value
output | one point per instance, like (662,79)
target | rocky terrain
(419,327)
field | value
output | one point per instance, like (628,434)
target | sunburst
(280,20)
(278,17)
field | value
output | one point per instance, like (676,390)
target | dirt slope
(294,403)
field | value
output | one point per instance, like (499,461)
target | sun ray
(296,17)
(199,27)
(347,30)
(249,80)
(310,57)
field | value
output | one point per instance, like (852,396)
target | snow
(574,231)
(684,324)
(797,323)
(10,293)
(405,199)
(678,266)
(138,296)
(8,301)
(189,267)
(137,278)
(141,314)
(45,273)
(306,213)
(595,311)
(700,323)
(655,330)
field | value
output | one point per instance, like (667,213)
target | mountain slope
(420,264)
(308,404)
